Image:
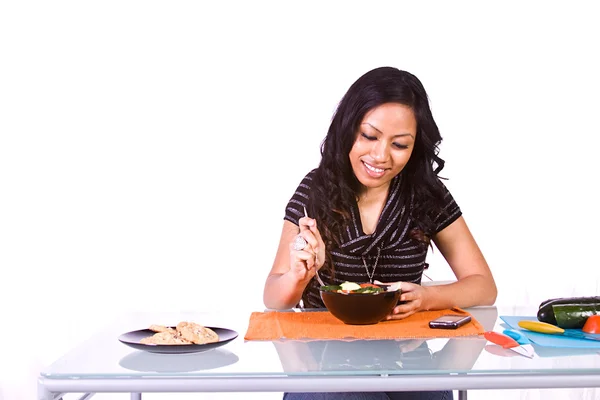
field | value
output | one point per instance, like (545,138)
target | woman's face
(383,145)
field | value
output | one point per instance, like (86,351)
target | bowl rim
(362,294)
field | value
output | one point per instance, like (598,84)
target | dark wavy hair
(335,188)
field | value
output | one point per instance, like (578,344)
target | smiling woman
(384,145)
(374,204)
(381,151)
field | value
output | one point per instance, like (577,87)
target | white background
(148,150)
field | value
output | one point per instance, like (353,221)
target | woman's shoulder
(445,192)
(449,211)
(299,200)
(311,174)
(308,179)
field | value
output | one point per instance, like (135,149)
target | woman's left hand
(413,295)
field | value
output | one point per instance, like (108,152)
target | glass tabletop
(104,356)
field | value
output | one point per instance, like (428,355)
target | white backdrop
(148,150)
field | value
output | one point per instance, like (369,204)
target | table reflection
(377,355)
(459,353)
(142,361)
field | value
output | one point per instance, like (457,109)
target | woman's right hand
(305,263)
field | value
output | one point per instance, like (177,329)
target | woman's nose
(380,151)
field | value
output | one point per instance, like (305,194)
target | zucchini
(546,312)
(573,316)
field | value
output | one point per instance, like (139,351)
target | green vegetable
(573,316)
(369,289)
(331,288)
(546,312)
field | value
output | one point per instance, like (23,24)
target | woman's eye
(368,137)
(400,146)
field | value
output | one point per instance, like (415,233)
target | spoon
(317,270)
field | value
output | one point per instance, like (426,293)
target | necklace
(374,265)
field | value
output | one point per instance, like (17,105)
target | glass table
(102,364)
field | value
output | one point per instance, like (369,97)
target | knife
(542,327)
(507,342)
(521,339)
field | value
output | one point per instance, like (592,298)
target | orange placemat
(321,325)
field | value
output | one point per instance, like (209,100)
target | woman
(374,204)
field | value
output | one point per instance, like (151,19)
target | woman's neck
(373,195)
(370,206)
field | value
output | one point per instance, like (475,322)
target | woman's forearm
(474,290)
(283,291)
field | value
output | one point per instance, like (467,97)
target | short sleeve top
(397,257)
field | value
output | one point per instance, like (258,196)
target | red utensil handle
(502,340)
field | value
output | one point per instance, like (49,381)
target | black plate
(132,339)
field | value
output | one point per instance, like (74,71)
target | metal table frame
(52,389)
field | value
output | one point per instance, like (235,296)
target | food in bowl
(365,288)
(360,304)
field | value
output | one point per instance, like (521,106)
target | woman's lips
(372,171)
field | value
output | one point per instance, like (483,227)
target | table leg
(462,395)
(136,396)
(45,394)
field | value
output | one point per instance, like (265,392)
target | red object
(502,340)
(592,324)
(368,285)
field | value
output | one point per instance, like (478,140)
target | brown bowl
(360,308)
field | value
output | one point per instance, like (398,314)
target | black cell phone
(449,321)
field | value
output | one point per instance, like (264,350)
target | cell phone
(449,321)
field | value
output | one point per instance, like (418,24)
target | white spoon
(317,270)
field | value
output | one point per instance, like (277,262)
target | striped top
(399,256)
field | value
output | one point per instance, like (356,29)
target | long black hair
(335,187)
